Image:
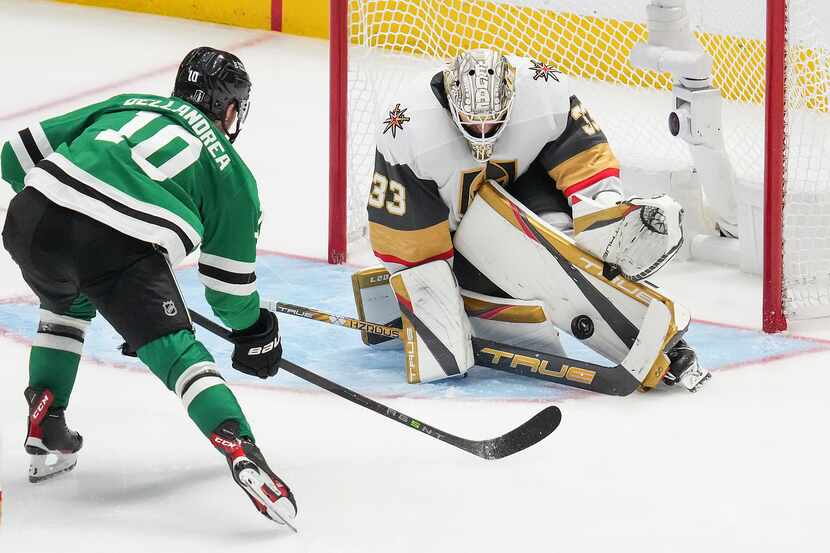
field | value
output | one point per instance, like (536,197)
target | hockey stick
(521,437)
(619,380)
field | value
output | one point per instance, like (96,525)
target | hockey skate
(685,369)
(268,493)
(52,446)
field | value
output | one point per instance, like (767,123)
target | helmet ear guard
(480,87)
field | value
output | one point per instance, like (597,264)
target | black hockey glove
(257,349)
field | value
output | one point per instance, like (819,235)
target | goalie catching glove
(257,349)
(638,235)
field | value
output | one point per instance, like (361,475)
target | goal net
(591,40)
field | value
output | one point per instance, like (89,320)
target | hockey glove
(257,349)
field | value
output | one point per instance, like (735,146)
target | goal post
(338,131)
(773,319)
(770,64)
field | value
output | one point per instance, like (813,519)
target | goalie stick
(523,436)
(619,380)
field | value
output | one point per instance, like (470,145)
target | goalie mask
(480,89)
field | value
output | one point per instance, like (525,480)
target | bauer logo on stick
(395,120)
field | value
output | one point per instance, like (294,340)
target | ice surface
(740,466)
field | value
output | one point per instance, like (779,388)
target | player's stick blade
(522,437)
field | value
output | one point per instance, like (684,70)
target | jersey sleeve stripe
(584,168)
(226,287)
(30,145)
(41,140)
(590,181)
(411,246)
(20,152)
(226,276)
(386,258)
(226,264)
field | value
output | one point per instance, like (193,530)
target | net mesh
(591,41)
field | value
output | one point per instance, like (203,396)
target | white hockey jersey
(425,176)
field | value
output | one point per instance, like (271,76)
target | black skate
(52,446)
(685,369)
(268,493)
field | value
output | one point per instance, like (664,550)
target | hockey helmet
(480,86)
(211,80)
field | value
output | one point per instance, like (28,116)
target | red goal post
(772,318)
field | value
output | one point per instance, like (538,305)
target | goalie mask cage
(771,62)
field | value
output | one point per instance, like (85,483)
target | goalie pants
(76,265)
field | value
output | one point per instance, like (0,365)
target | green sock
(53,369)
(186,367)
(56,351)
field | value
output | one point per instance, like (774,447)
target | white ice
(740,466)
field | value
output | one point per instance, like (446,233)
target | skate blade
(252,483)
(40,469)
(700,384)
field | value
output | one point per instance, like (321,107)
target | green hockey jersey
(157,169)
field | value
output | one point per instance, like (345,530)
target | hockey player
(109,198)
(477,175)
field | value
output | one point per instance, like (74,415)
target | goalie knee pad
(436,332)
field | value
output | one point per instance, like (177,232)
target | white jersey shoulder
(543,96)
(414,123)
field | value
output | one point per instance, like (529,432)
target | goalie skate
(685,368)
(267,492)
(52,446)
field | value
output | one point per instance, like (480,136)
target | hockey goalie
(497,208)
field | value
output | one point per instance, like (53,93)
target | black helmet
(211,80)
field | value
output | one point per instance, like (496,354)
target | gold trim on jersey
(411,245)
(583,165)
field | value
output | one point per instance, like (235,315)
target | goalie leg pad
(436,332)
(375,301)
(522,324)
(530,260)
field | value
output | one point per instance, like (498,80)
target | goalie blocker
(556,285)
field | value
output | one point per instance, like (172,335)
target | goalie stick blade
(536,429)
